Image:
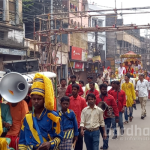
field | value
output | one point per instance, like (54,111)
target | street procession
(74,75)
(34,117)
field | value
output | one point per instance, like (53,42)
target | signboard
(13,52)
(4,51)
(17,52)
(76,53)
(78,65)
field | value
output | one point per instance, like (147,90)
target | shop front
(77,63)
(7,54)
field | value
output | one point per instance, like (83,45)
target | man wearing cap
(41,129)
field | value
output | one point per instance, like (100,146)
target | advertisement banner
(76,53)
(78,65)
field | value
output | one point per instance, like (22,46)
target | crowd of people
(83,113)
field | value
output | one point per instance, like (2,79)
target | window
(97,21)
(100,47)
(100,23)
(12,11)
(93,22)
(2,35)
(78,24)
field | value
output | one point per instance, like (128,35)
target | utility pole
(96,38)
(115,32)
(34,36)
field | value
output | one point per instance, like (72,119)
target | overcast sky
(138,19)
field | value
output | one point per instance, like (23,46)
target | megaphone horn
(14,87)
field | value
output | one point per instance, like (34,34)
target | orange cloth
(18,113)
(55,107)
(130,70)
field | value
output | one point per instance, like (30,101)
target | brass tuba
(109,109)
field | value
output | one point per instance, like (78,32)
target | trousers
(120,123)
(107,128)
(92,140)
(128,112)
(79,144)
(143,101)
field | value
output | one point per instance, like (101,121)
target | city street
(133,139)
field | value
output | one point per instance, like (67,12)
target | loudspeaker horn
(14,87)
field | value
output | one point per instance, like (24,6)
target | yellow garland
(56,120)
(47,86)
(3,144)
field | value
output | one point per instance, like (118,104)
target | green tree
(28,11)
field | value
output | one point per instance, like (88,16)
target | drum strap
(102,98)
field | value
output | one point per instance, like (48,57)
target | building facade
(121,42)
(11,31)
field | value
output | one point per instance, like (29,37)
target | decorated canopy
(130,54)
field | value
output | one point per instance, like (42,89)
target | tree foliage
(28,11)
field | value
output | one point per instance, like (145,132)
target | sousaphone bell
(14,87)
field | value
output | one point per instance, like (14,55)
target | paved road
(137,133)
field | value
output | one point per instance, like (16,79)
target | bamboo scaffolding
(111,14)
(105,10)
(94,29)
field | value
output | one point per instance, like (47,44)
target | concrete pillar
(18,11)
(5,10)
(1,63)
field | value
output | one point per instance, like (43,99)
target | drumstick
(74,144)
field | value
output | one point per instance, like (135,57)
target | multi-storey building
(11,31)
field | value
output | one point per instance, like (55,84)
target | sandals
(102,147)
(131,119)
(125,122)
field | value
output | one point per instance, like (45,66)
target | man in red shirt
(113,87)
(77,104)
(120,97)
(69,88)
(110,101)
(92,89)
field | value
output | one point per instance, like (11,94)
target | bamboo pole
(61,50)
(110,14)
(55,51)
(94,29)
(34,36)
(103,10)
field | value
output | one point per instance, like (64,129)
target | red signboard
(78,65)
(76,53)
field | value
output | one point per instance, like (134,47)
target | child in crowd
(91,119)
(69,124)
